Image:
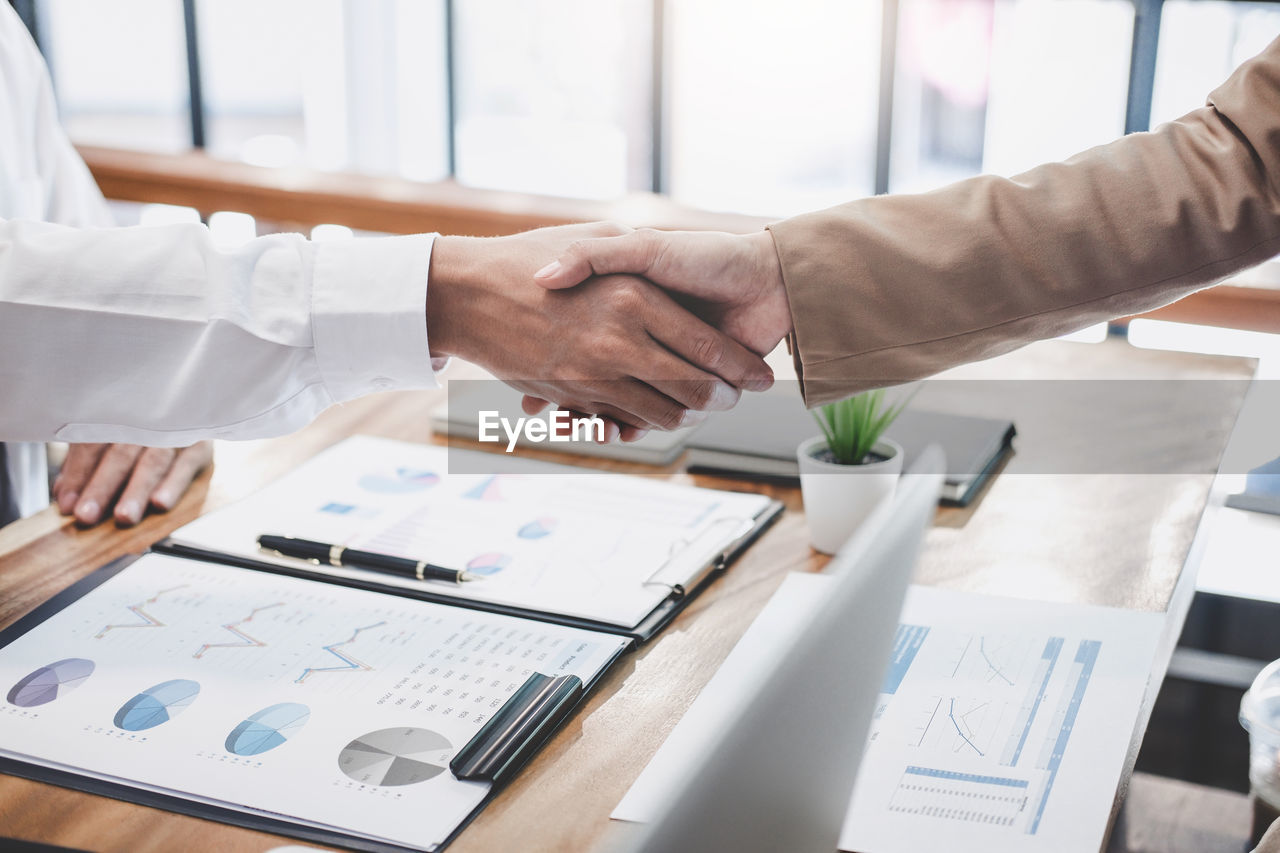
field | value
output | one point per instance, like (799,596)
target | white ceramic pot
(838,498)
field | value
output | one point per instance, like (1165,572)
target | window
(120,71)
(772,106)
(553,96)
(327,84)
(1201,42)
(273,90)
(733,105)
(1000,86)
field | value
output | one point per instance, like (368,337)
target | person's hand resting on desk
(617,346)
(95,478)
(731,281)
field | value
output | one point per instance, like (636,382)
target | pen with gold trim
(340,555)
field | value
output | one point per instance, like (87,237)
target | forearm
(155,336)
(890,289)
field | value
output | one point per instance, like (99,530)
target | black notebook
(760,436)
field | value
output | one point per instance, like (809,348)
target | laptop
(779,775)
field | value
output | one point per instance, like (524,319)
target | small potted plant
(846,472)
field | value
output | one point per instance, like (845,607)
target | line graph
(955,673)
(245,641)
(949,725)
(997,660)
(146,619)
(963,729)
(924,729)
(995,670)
(349,663)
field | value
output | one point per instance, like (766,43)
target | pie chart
(538,528)
(488,564)
(268,728)
(391,757)
(400,481)
(156,705)
(49,682)
(487,489)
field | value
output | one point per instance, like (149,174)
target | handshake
(646,329)
(641,328)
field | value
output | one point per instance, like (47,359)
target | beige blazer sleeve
(895,288)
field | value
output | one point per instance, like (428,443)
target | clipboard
(681,593)
(495,754)
(720,525)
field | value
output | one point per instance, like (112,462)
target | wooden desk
(1110,539)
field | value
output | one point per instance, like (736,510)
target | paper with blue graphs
(550,539)
(331,708)
(1002,724)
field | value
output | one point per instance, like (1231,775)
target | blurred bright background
(747,106)
(766,107)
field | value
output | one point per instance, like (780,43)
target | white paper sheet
(1003,724)
(333,707)
(552,539)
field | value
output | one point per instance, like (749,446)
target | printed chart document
(324,706)
(1003,724)
(550,539)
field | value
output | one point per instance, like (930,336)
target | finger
(630,434)
(627,401)
(149,469)
(76,470)
(606,431)
(612,429)
(105,483)
(533,405)
(190,462)
(612,417)
(609,433)
(632,402)
(561,428)
(692,388)
(706,347)
(631,253)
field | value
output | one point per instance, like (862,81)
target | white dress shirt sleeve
(155,336)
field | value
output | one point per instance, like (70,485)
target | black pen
(340,555)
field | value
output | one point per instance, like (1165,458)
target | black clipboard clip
(523,723)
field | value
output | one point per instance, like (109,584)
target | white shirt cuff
(369,315)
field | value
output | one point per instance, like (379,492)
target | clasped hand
(645,328)
(616,346)
(730,282)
